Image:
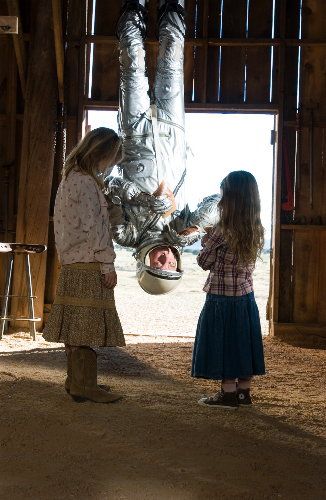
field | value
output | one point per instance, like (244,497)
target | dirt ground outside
(157,442)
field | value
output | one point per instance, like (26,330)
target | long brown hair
(99,144)
(240,221)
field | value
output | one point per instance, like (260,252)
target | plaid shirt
(227,276)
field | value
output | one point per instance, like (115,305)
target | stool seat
(22,248)
(12,250)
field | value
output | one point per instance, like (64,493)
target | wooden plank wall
(38,145)
(224,66)
(302,293)
(10,140)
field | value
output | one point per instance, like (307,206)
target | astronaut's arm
(206,213)
(188,227)
(121,191)
(181,239)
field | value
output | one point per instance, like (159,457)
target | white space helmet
(157,281)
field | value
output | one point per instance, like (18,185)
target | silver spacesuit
(148,206)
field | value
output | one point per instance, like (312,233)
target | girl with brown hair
(228,345)
(83,314)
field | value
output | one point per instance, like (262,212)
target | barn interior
(59,60)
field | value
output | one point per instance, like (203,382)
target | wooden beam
(195,107)
(58,43)
(222,42)
(305,334)
(273,299)
(37,154)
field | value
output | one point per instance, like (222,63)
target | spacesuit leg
(169,98)
(135,122)
(169,87)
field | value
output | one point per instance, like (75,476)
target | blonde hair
(99,144)
(240,221)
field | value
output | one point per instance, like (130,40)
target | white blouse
(81,223)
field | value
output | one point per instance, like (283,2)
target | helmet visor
(159,273)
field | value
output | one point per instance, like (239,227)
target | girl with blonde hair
(83,314)
(228,344)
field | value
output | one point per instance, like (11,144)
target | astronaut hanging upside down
(148,209)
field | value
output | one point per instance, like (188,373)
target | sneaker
(243,397)
(221,400)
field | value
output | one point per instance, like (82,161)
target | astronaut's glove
(157,204)
(185,238)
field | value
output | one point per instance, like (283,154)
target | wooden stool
(19,249)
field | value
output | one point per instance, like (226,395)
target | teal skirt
(228,340)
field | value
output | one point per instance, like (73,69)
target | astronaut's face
(163,258)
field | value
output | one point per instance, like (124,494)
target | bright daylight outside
(217,144)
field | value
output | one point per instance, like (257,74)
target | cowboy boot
(84,378)
(68,378)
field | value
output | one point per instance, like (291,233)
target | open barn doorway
(217,144)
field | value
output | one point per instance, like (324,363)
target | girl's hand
(208,230)
(204,239)
(109,279)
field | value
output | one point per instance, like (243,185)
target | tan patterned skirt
(83,312)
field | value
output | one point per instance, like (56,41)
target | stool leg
(30,299)
(5,304)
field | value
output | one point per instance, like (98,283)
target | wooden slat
(258,60)
(191,25)
(305,275)
(290,83)
(105,72)
(213,71)
(285,309)
(258,63)
(75,62)
(260,18)
(321,293)
(189,68)
(292,20)
(37,154)
(106,17)
(58,41)
(201,67)
(313,58)
(213,53)
(214,18)
(233,59)
(318,177)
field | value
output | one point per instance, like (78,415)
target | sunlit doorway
(217,144)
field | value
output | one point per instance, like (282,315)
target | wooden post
(37,153)
(75,70)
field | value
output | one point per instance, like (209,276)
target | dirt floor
(158,443)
